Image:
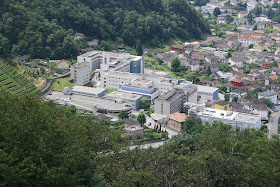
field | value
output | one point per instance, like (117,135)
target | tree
(251,46)
(48,144)
(234,99)
(141,118)
(123,115)
(268,102)
(139,48)
(216,11)
(227,97)
(144,103)
(274,64)
(229,19)
(190,122)
(175,65)
(208,71)
(255,28)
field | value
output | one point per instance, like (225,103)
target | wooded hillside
(43,28)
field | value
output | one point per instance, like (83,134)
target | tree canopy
(44,28)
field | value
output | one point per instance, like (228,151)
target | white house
(268,95)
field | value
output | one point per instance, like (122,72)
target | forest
(45,144)
(44,28)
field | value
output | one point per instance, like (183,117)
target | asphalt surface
(273,125)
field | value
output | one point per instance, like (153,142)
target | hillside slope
(43,28)
(12,81)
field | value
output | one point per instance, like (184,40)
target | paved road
(273,125)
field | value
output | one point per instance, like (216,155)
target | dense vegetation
(13,81)
(45,144)
(43,28)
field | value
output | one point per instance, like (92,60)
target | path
(273,125)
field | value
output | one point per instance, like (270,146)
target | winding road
(273,125)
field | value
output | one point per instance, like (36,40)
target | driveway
(273,125)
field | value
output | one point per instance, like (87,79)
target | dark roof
(220,102)
(101,117)
(258,106)
(32,64)
(131,122)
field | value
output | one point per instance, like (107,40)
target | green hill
(14,82)
(43,28)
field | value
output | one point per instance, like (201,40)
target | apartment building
(170,102)
(80,73)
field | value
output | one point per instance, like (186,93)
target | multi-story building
(170,102)
(235,119)
(80,73)
(123,62)
(108,61)
(207,93)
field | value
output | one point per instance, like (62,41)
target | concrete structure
(141,87)
(88,91)
(123,62)
(159,118)
(135,132)
(176,121)
(95,104)
(80,73)
(235,119)
(120,97)
(268,95)
(207,93)
(170,102)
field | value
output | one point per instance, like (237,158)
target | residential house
(242,14)
(259,46)
(236,61)
(263,64)
(32,64)
(121,47)
(135,132)
(275,71)
(94,43)
(177,48)
(78,36)
(62,65)
(258,109)
(130,122)
(247,40)
(176,121)
(21,59)
(268,95)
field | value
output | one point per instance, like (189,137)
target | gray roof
(267,93)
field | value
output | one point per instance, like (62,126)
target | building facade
(80,73)
(236,119)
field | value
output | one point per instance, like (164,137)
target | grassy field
(59,84)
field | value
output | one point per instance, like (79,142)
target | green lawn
(110,90)
(60,83)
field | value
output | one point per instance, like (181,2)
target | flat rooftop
(118,74)
(156,73)
(87,89)
(206,88)
(229,115)
(92,103)
(142,81)
(124,95)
